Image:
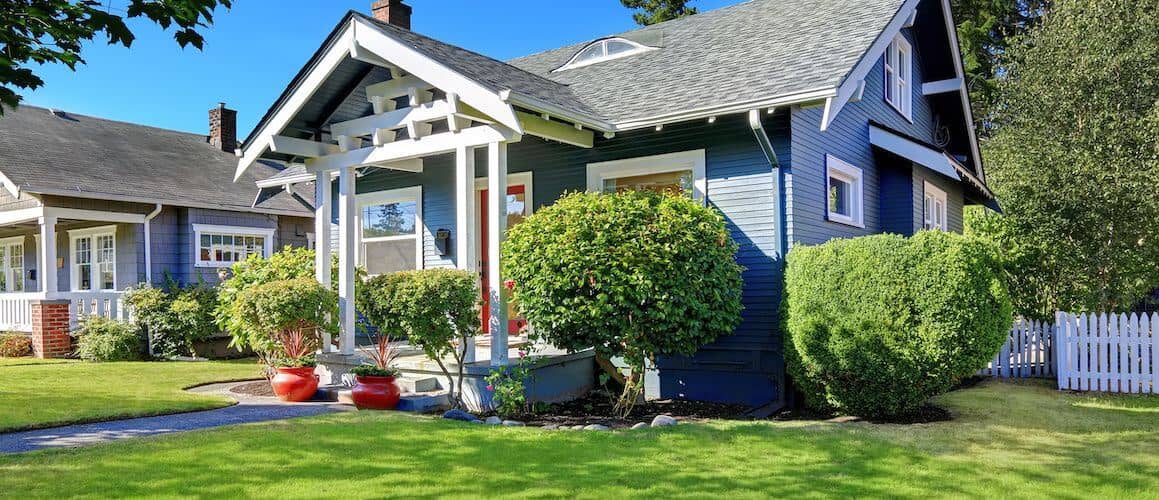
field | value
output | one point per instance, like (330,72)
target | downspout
(149,265)
(766,146)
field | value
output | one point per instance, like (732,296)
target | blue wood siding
(744,367)
(884,194)
(954,198)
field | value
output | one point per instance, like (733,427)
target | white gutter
(149,245)
(766,145)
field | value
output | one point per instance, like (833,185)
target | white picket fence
(1027,353)
(1108,352)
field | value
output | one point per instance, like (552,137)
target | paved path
(248,409)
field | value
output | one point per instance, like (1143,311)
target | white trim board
(854,176)
(918,153)
(685,160)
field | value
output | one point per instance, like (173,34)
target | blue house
(800,120)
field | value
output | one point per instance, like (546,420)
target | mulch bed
(596,408)
(255,388)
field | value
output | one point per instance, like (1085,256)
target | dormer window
(604,50)
(898,71)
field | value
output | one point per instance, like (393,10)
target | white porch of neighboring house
(423,110)
(77,275)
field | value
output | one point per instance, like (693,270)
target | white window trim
(935,193)
(658,164)
(835,167)
(572,64)
(400,195)
(903,95)
(6,265)
(267,243)
(94,269)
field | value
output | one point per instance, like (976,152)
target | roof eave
(176,203)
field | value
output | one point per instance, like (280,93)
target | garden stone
(460,415)
(480,422)
(641,425)
(513,423)
(595,427)
(493,420)
(551,427)
(663,421)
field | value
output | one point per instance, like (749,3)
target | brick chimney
(392,12)
(223,128)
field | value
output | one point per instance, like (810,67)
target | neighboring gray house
(801,120)
(125,204)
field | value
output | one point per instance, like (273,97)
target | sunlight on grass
(1009,440)
(54,393)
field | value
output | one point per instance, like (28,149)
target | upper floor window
(604,50)
(898,73)
(934,208)
(221,246)
(843,189)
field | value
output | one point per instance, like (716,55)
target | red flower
(510,284)
(490,388)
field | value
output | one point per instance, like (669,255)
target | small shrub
(15,345)
(174,317)
(280,320)
(436,308)
(508,388)
(634,274)
(103,339)
(877,325)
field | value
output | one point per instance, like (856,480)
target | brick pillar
(50,338)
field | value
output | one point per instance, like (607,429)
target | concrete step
(417,402)
(418,383)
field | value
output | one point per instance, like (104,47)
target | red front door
(518,193)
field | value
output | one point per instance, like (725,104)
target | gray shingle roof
(753,50)
(96,158)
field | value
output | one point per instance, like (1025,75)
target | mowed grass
(1008,440)
(43,393)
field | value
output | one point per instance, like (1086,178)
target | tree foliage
(54,31)
(634,275)
(281,319)
(1075,157)
(650,12)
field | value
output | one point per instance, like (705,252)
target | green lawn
(1009,440)
(40,393)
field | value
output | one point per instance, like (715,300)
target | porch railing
(85,304)
(16,311)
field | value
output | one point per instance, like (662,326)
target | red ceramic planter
(375,393)
(295,384)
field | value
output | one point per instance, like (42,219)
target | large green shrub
(174,317)
(877,325)
(435,308)
(635,274)
(103,339)
(15,345)
(274,318)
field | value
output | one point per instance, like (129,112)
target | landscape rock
(595,427)
(663,421)
(551,427)
(513,423)
(460,415)
(480,422)
(641,425)
(493,420)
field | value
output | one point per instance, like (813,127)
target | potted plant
(374,387)
(295,379)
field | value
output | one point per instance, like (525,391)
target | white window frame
(93,233)
(900,83)
(6,266)
(571,63)
(400,195)
(846,172)
(657,164)
(199,229)
(932,196)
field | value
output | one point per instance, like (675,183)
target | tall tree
(1075,157)
(985,29)
(658,11)
(53,31)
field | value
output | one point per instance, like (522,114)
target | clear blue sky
(253,50)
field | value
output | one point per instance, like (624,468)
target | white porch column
(47,255)
(496,228)
(465,221)
(347,239)
(323,204)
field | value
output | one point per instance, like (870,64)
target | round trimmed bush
(877,325)
(634,274)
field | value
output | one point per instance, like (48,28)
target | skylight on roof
(604,50)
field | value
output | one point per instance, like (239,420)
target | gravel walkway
(249,409)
